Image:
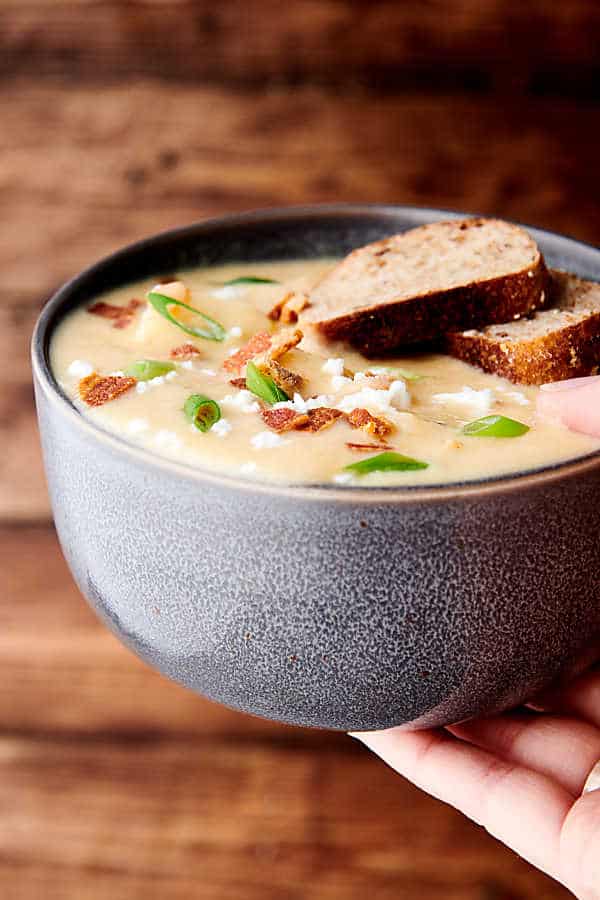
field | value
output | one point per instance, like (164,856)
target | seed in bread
(421,284)
(551,345)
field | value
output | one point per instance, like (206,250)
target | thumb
(580,844)
(575,403)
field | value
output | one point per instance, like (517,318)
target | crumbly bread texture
(421,284)
(551,345)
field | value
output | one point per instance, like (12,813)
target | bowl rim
(47,384)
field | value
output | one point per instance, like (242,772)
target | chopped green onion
(214,330)
(495,426)
(386,462)
(145,369)
(247,279)
(263,386)
(201,411)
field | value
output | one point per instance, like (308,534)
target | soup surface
(412,408)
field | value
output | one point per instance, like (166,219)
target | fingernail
(593,780)
(570,384)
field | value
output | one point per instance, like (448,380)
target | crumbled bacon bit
(258,343)
(283,419)
(374,425)
(320,418)
(285,379)
(98,389)
(286,419)
(289,308)
(365,447)
(283,342)
(122,316)
(184,351)
(238,382)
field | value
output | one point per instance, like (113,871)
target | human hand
(521,776)
(575,403)
(532,779)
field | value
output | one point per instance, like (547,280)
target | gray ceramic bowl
(344,608)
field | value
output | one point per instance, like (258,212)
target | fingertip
(574,404)
(593,780)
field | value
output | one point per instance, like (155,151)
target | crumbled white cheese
(210,373)
(360,377)
(143,386)
(396,396)
(171,375)
(248,468)
(136,426)
(333,366)
(186,364)
(338,382)
(399,394)
(233,351)
(227,291)
(118,373)
(80,368)
(343,478)
(234,332)
(221,428)
(516,397)
(479,401)
(300,405)
(243,400)
(266,439)
(167,439)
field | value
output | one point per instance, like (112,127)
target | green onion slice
(263,386)
(247,279)
(213,331)
(201,411)
(145,369)
(386,462)
(495,426)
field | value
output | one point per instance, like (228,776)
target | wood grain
(548,47)
(96,167)
(217,821)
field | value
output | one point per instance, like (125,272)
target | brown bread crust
(569,353)
(382,329)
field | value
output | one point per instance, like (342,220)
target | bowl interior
(277,234)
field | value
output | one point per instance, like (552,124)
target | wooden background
(123,118)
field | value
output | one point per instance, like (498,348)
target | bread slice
(562,342)
(421,284)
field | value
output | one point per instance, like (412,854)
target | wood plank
(543,45)
(215,820)
(98,167)
(85,170)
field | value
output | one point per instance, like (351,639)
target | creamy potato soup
(240,391)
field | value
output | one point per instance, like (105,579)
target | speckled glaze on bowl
(342,608)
